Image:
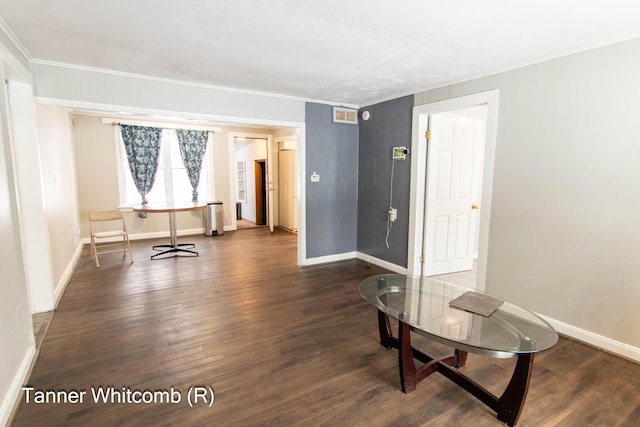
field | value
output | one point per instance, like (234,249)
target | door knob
(474,206)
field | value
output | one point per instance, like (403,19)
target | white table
(173,248)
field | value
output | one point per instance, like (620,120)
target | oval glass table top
(423,303)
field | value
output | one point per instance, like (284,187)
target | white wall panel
(544,135)
(445,164)
(465,175)
(60,189)
(17,347)
(625,233)
(440,239)
(31,200)
(462,240)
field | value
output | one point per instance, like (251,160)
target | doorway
(430,225)
(260,174)
(454,179)
(250,171)
(286,138)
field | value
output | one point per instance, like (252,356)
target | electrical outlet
(393,214)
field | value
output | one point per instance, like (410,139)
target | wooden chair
(112,218)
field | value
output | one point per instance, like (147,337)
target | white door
(287,187)
(269,183)
(294,189)
(454,179)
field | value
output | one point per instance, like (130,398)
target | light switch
(315,177)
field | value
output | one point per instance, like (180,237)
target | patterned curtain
(193,144)
(142,145)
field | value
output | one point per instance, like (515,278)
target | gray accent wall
(332,203)
(389,125)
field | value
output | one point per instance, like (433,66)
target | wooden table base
(508,406)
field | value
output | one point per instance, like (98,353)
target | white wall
(94,150)
(16,331)
(565,226)
(60,190)
(34,228)
(16,334)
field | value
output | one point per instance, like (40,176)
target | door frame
(300,132)
(231,136)
(419,148)
(269,187)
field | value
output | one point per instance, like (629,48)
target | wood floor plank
(279,345)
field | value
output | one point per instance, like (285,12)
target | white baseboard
(598,341)
(601,342)
(355,254)
(381,263)
(328,258)
(13,394)
(66,276)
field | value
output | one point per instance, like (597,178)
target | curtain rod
(163,125)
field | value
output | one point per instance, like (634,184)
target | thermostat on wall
(400,153)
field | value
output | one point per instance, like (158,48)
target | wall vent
(345,115)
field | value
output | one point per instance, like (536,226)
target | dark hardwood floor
(279,345)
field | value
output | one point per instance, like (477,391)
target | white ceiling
(346,51)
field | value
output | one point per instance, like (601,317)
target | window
(172,182)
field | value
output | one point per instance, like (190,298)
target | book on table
(476,302)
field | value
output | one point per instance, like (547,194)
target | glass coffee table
(421,305)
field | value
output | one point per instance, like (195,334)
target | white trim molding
(328,258)
(417,186)
(598,341)
(102,109)
(160,124)
(381,263)
(181,82)
(13,393)
(66,275)
(14,39)
(354,255)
